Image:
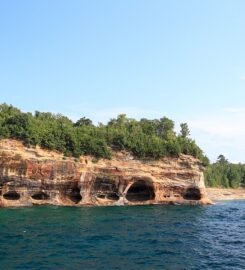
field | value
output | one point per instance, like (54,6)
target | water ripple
(149,237)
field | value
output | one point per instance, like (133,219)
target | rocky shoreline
(33,176)
(223,194)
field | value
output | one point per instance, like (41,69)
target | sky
(145,58)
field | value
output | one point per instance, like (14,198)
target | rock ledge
(33,176)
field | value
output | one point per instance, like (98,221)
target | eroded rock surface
(32,176)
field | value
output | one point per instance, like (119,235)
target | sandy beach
(217,194)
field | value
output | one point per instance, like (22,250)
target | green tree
(222,160)
(144,139)
(233,177)
(83,122)
(165,128)
(184,130)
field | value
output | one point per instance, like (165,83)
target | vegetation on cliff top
(144,138)
(222,173)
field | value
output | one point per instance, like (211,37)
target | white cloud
(228,124)
(239,110)
(221,132)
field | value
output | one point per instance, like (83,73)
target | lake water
(135,237)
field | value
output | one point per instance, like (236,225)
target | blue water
(140,237)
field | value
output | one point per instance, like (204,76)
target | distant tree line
(222,173)
(144,138)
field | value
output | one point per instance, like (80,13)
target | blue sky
(98,58)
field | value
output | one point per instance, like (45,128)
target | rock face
(32,176)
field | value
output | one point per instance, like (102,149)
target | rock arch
(74,194)
(192,193)
(40,196)
(11,195)
(141,190)
(106,188)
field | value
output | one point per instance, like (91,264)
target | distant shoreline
(220,194)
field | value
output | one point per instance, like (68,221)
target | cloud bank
(222,132)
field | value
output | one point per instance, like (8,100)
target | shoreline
(224,194)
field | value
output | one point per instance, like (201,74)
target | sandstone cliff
(31,176)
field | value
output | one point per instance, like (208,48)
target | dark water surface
(143,237)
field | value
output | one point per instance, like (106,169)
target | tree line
(222,173)
(143,138)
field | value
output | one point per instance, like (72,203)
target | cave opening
(74,195)
(11,195)
(113,197)
(105,188)
(40,196)
(192,194)
(141,190)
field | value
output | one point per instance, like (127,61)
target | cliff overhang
(33,176)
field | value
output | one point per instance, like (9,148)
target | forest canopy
(144,138)
(222,173)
